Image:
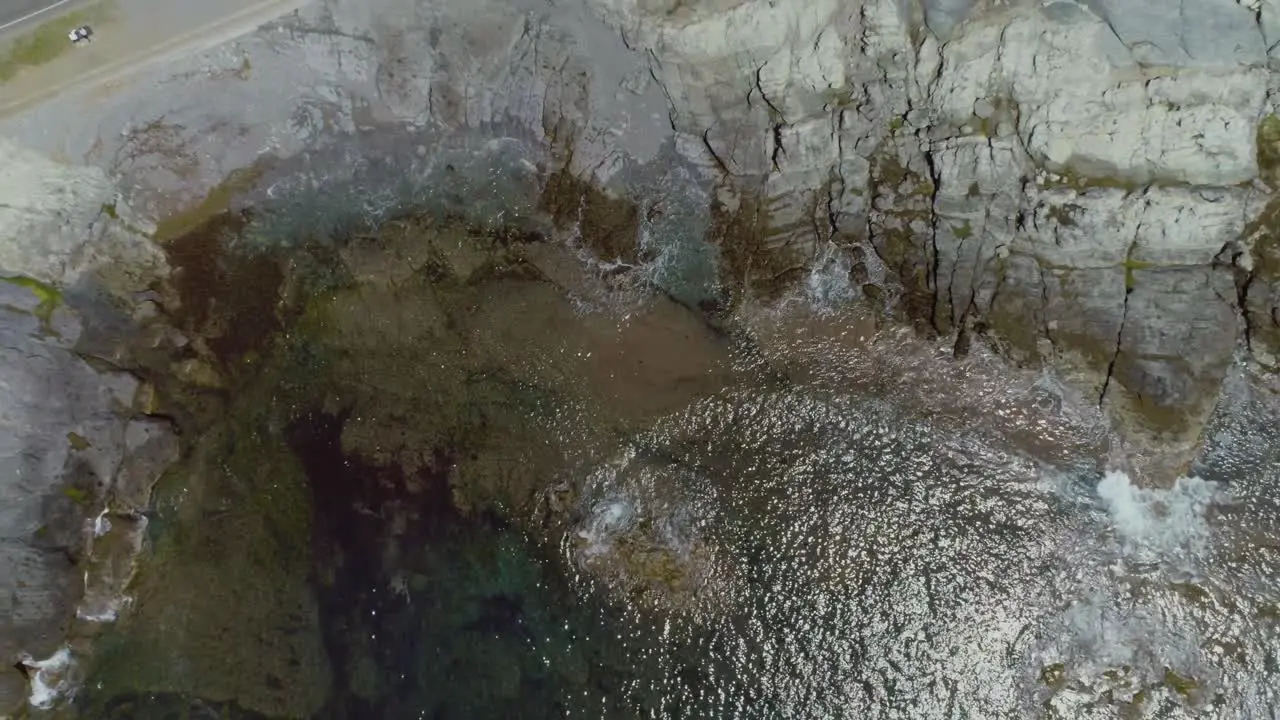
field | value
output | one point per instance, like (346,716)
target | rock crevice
(1086,186)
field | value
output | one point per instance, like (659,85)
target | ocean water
(816,518)
(817,547)
(852,562)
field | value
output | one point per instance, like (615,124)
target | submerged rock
(437,378)
(1085,187)
(224,608)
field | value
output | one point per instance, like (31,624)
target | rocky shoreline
(1090,192)
(1084,189)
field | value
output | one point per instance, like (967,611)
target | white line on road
(28,16)
(199,39)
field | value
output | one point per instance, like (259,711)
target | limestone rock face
(65,432)
(60,222)
(1076,177)
(1063,176)
(65,439)
(1087,184)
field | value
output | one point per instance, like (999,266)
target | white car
(81,34)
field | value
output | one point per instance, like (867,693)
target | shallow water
(815,520)
(793,550)
(862,564)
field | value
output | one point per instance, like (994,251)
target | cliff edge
(1085,186)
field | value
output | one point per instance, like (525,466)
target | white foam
(828,286)
(1119,635)
(104,610)
(101,524)
(1155,524)
(609,519)
(50,678)
(1112,644)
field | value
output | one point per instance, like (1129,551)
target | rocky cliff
(1086,186)
(79,453)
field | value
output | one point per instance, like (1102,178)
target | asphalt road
(19,13)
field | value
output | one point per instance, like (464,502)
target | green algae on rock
(753,263)
(230,299)
(1268,140)
(451,375)
(1257,263)
(217,202)
(609,226)
(224,609)
(896,238)
(49,297)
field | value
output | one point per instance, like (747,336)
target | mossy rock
(1261,280)
(755,258)
(1054,676)
(906,257)
(215,203)
(1082,181)
(49,298)
(610,226)
(1268,140)
(1131,269)
(1183,685)
(224,608)
(895,239)
(1065,214)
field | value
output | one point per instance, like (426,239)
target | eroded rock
(65,429)
(1076,183)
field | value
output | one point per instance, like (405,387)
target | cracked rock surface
(68,433)
(1088,185)
(1049,174)
(69,447)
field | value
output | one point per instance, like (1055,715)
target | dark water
(476,480)
(832,558)
(465,621)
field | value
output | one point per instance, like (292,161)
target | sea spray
(827,286)
(52,679)
(1160,525)
(1131,626)
(640,528)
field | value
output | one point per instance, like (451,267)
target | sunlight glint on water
(849,561)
